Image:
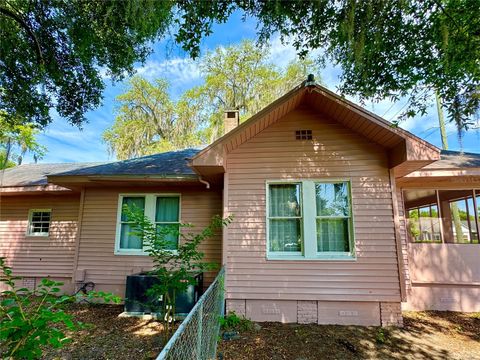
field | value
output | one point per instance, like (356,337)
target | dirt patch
(426,335)
(110,337)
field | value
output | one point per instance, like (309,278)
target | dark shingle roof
(165,164)
(36,174)
(168,163)
(455,160)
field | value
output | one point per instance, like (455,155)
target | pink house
(339,218)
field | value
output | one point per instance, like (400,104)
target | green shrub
(233,322)
(31,320)
(175,269)
(381,336)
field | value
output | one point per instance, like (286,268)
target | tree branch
(9,13)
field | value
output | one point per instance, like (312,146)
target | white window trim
(29,226)
(309,223)
(150,203)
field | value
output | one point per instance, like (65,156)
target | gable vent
(303,134)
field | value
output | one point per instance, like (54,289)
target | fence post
(199,332)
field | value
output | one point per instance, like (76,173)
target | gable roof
(408,152)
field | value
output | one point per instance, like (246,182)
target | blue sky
(69,144)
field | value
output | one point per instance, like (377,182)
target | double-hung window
(162,210)
(285,218)
(309,219)
(39,222)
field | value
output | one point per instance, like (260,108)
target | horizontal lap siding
(35,256)
(97,238)
(335,152)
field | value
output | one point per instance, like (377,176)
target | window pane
(332,235)
(460,226)
(332,199)
(37,227)
(132,203)
(285,235)
(167,209)
(284,200)
(470,220)
(128,240)
(171,234)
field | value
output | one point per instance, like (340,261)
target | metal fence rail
(196,337)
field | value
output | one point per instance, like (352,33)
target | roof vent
(310,80)
(303,134)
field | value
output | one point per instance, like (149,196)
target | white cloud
(181,70)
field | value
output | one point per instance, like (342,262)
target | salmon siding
(315,186)
(40,255)
(369,272)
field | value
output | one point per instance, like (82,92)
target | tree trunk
(443,134)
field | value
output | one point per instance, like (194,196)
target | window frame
(309,223)
(150,209)
(285,254)
(29,225)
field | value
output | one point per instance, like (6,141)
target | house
(322,193)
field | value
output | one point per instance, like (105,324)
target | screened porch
(442,216)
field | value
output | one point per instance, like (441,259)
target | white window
(161,209)
(39,222)
(309,220)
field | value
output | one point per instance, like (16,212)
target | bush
(175,269)
(233,322)
(31,320)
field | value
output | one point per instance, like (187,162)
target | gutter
(89,178)
(203,181)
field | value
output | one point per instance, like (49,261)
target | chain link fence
(196,337)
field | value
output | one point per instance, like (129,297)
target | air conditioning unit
(137,302)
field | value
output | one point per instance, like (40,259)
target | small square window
(303,134)
(39,222)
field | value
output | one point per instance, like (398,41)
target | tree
(239,77)
(148,121)
(52,52)
(16,141)
(386,49)
(244,77)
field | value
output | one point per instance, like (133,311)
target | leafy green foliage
(175,269)
(148,121)
(233,322)
(5,161)
(381,337)
(53,53)
(31,320)
(386,49)
(16,140)
(239,77)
